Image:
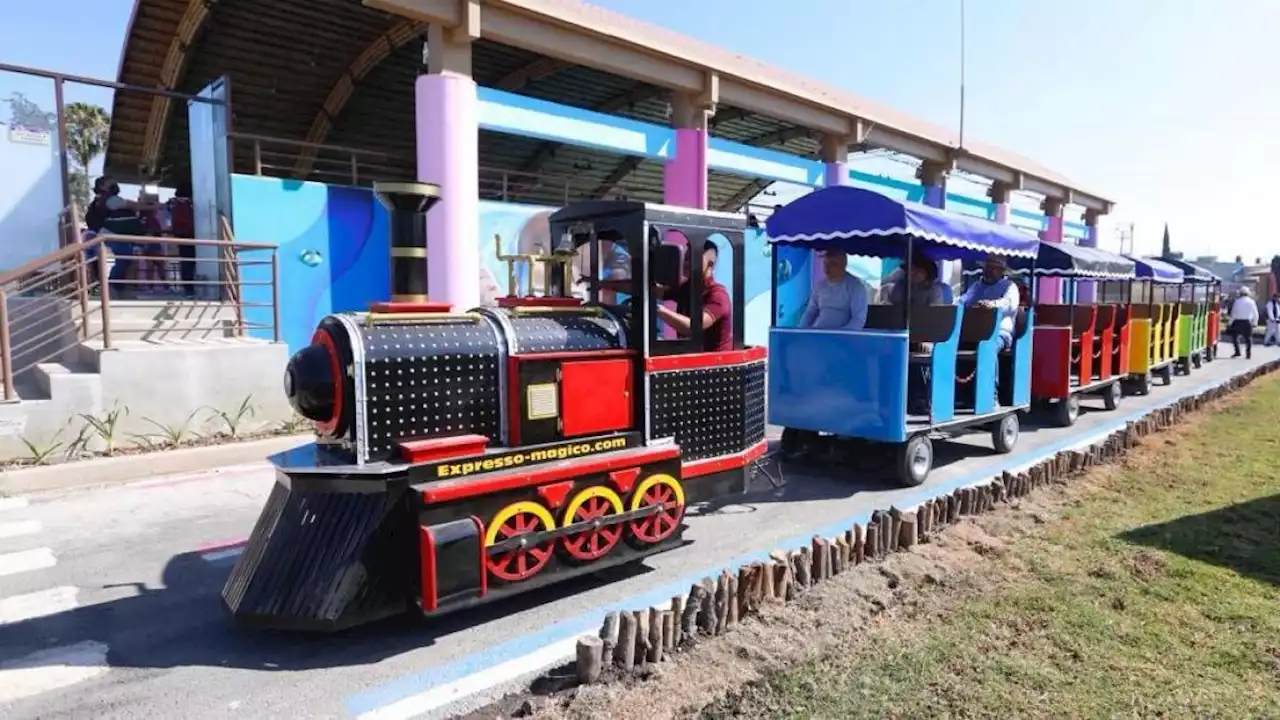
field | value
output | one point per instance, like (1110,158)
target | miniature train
(975,366)
(463,457)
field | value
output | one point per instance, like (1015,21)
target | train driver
(838,300)
(995,290)
(717,309)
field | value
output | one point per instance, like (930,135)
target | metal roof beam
(345,85)
(629,98)
(537,70)
(778,137)
(175,65)
(740,199)
(620,173)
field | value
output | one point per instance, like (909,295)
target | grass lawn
(1155,593)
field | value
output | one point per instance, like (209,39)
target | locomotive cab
(462,457)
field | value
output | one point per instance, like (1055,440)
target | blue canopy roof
(864,222)
(1157,270)
(1079,261)
(1193,273)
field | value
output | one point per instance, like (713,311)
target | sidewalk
(128,468)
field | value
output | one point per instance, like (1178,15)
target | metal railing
(50,305)
(338,164)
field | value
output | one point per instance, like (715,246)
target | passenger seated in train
(925,288)
(717,308)
(925,291)
(995,290)
(838,300)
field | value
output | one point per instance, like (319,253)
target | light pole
(962,54)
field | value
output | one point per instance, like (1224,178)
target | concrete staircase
(171,364)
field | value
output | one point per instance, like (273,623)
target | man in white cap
(1244,318)
(995,290)
(838,300)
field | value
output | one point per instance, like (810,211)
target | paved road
(109,604)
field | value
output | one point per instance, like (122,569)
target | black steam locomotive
(462,457)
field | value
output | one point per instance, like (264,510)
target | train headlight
(311,383)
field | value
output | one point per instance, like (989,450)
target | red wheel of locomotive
(663,490)
(511,522)
(594,503)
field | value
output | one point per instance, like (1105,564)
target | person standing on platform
(1273,321)
(1244,318)
(838,300)
(182,224)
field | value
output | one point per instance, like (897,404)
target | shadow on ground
(182,623)
(1244,538)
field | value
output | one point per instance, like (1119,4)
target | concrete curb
(127,468)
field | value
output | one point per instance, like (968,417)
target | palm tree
(88,127)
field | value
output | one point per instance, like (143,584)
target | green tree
(25,113)
(88,127)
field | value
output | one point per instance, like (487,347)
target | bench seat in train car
(1078,349)
(855,385)
(1193,339)
(1151,324)
(1213,327)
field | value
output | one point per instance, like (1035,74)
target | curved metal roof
(340,73)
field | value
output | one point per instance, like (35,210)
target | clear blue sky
(1170,107)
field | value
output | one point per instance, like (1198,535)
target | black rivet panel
(430,380)
(553,332)
(711,411)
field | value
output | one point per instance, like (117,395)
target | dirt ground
(861,613)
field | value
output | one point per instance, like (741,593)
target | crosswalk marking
(13,503)
(51,669)
(26,561)
(38,604)
(19,528)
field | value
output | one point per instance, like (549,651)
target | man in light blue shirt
(838,300)
(995,290)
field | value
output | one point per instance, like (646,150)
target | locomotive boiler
(462,457)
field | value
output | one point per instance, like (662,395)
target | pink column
(449,155)
(936,196)
(1051,288)
(684,178)
(835,173)
(934,178)
(1088,288)
(999,194)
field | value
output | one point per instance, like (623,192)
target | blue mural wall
(333,243)
(332,251)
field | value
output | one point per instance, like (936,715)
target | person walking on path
(1273,320)
(1244,318)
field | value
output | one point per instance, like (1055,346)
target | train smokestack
(408,204)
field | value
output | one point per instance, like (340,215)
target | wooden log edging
(714,606)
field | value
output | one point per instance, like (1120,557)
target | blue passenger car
(855,384)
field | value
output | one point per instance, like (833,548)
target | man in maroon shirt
(717,310)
